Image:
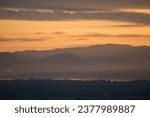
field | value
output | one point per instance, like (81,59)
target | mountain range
(97,58)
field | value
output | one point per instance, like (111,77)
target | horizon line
(75,46)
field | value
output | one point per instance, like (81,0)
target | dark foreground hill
(66,89)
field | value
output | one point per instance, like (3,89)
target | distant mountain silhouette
(91,51)
(8,57)
(62,58)
(109,58)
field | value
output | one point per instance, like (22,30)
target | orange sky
(51,24)
(40,35)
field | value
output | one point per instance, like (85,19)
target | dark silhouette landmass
(123,62)
(73,90)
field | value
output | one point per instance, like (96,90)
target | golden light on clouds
(137,10)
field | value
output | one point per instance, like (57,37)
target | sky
(51,24)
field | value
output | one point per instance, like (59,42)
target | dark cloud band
(73,10)
(76,4)
(38,14)
(20,39)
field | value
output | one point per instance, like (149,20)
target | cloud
(25,39)
(75,10)
(109,35)
(130,25)
(76,4)
(81,39)
(20,39)
(30,14)
(5,40)
(39,33)
(58,33)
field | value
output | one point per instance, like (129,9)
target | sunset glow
(25,27)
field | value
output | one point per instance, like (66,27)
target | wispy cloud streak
(2,39)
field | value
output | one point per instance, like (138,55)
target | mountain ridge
(109,57)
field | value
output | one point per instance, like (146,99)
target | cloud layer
(74,10)
(76,4)
(36,14)
(109,35)
(20,39)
